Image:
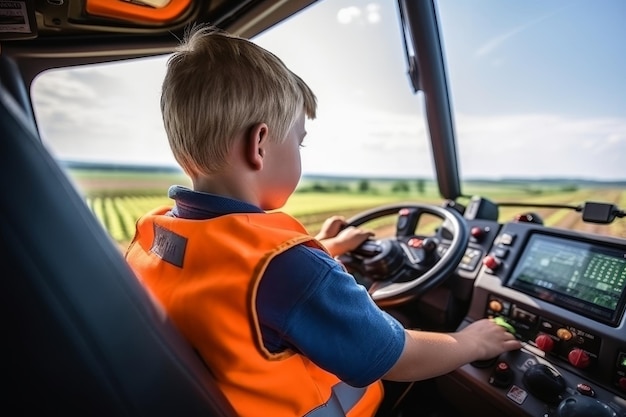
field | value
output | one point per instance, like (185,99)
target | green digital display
(585,278)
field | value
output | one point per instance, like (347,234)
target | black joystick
(582,406)
(544,383)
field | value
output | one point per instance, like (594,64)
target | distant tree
(316,187)
(341,187)
(533,191)
(319,187)
(400,187)
(421,185)
(569,188)
(364,186)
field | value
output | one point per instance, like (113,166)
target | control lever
(545,383)
(500,321)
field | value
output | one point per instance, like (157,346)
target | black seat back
(80,335)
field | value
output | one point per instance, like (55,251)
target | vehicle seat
(80,334)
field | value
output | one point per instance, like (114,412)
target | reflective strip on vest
(343,398)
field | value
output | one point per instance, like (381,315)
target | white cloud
(373,13)
(542,145)
(98,115)
(347,14)
(356,141)
(369,14)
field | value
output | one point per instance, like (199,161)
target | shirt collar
(191,204)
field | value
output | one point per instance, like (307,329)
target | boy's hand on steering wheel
(339,239)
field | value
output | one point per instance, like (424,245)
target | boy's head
(218,86)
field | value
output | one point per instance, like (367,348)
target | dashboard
(563,294)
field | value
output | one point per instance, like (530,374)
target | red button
(415,243)
(477,233)
(544,342)
(491,262)
(585,389)
(579,358)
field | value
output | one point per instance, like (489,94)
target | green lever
(500,321)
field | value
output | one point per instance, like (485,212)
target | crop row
(118,214)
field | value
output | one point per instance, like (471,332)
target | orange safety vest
(206,273)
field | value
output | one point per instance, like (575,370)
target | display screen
(584,278)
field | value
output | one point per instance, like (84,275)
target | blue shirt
(308,303)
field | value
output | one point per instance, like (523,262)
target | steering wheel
(405,266)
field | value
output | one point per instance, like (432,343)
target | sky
(537,90)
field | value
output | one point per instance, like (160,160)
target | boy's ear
(256,143)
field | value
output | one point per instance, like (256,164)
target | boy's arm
(429,354)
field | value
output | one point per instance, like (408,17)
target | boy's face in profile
(282,167)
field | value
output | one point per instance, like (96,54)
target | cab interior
(83,337)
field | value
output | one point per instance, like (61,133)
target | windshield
(369,121)
(538,87)
(539,98)
(536,94)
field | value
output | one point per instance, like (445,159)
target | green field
(119,198)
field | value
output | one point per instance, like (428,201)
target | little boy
(283,327)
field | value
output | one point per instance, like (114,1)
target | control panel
(563,341)
(524,383)
(563,295)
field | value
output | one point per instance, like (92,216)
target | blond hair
(218,86)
